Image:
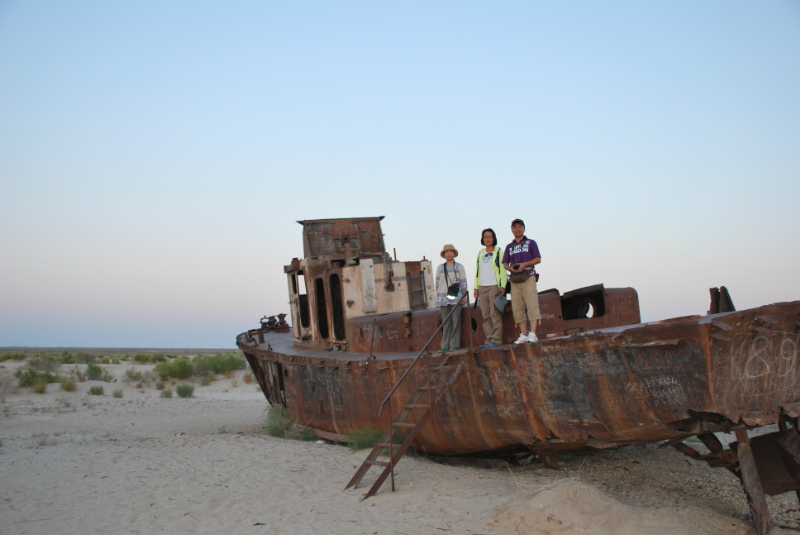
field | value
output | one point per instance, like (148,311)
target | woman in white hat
(451,295)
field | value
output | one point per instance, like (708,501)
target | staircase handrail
(425,347)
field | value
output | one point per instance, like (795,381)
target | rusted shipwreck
(360,353)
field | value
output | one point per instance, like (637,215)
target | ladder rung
(416,406)
(403,424)
(434,387)
(378,463)
(438,368)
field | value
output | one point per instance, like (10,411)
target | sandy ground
(75,463)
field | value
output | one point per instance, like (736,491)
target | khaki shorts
(524,296)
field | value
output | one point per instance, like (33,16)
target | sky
(155,157)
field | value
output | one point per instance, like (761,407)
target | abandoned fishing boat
(360,352)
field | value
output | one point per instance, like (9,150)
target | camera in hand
(515,266)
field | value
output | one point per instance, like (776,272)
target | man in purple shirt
(519,258)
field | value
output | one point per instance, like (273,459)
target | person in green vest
(490,281)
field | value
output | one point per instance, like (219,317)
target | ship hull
(610,387)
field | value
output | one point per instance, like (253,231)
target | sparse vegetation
(28,376)
(248,378)
(277,421)
(13,356)
(96,391)
(363,438)
(219,363)
(207,380)
(40,385)
(67,384)
(166,393)
(160,385)
(307,434)
(63,400)
(117,393)
(223,431)
(144,358)
(93,371)
(77,374)
(132,375)
(85,358)
(234,383)
(178,368)
(6,385)
(184,390)
(44,362)
(67,357)
(109,360)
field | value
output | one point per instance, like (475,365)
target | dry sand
(74,463)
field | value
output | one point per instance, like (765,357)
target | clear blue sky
(154,156)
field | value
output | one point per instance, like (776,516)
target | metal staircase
(415,413)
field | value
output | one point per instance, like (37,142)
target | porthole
(361,332)
(474,325)
(380,330)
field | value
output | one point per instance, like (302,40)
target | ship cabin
(348,294)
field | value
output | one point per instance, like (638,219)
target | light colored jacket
(441,284)
(500,274)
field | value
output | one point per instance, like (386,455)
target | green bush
(307,434)
(67,357)
(40,385)
(363,438)
(179,369)
(184,390)
(117,393)
(219,363)
(166,393)
(44,362)
(97,391)
(109,360)
(29,376)
(13,356)
(277,421)
(67,384)
(84,358)
(144,358)
(93,371)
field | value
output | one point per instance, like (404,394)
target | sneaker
(532,338)
(453,349)
(443,350)
(523,339)
(491,344)
(484,346)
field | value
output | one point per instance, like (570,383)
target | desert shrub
(141,358)
(40,385)
(28,376)
(85,358)
(277,421)
(248,378)
(219,363)
(117,393)
(97,391)
(107,376)
(166,393)
(132,375)
(44,362)
(160,385)
(207,380)
(149,377)
(93,371)
(179,369)
(363,438)
(63,400)
(77,374)
(109,360)
(184,390)
(307,434)
(13,356)
(67,384)
(67,357)
(6,385)
(234,383)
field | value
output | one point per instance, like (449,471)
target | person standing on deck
(451,295)
(519,258)
(490,280)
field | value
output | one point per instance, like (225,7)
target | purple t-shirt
(525,251)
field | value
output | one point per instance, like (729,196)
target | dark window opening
(302,299)
(322,311)
(474,325)
(293,276)
(361,332)
(337,263)
(582,306)
(380,330)
(338,308)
